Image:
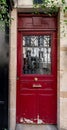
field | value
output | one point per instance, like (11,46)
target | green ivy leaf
(63,1)
(4,14)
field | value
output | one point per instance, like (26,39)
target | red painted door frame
(37,105)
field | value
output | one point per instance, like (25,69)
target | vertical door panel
(47,108)
(27,108)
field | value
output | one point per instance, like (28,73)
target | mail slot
(37,85)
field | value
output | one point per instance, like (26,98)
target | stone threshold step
(35,127)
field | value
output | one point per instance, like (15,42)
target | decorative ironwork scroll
(36,54)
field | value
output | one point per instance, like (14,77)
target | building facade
(37,68)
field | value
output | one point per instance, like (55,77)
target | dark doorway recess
(4,40)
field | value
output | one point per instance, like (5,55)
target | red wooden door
(36,70)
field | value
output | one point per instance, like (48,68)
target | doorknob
(35,79)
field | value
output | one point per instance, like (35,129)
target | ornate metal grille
(38,1)
(36,54)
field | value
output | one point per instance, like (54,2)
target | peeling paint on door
(25,120)
(39,121)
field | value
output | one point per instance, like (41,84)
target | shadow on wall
(4,58)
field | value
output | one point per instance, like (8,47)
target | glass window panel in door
(36,54)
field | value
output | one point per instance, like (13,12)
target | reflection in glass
(36,54)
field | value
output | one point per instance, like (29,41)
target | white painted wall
(25,2)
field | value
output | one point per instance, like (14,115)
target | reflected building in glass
(37,54)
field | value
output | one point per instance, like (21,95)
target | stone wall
(12,71)
(63,72)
